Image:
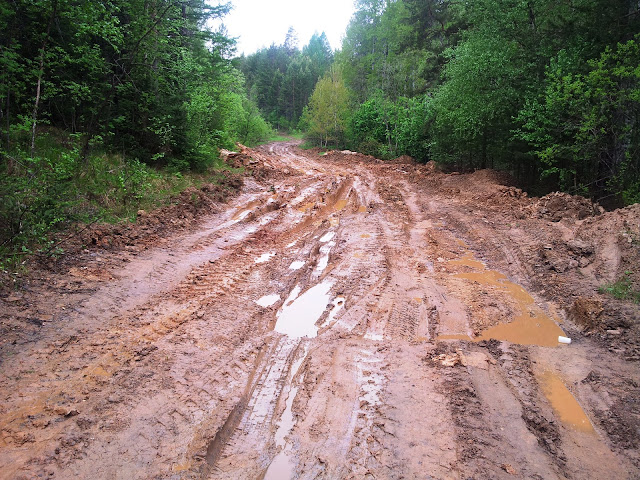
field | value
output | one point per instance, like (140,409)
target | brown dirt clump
(558,206)
(587,313)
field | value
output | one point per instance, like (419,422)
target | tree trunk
(54,9)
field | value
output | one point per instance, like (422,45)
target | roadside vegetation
(622,289)
(109,107)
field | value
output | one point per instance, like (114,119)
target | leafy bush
(46,193)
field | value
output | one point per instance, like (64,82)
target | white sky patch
(259,23)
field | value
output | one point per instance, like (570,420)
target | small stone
(509,469)
(65,411)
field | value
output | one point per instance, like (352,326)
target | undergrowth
(622,289)
(56,188)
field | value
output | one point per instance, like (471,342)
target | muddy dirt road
(340,318)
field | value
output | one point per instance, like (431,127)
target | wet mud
(340,318)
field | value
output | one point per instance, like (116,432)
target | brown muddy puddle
(564,403)
(531,326)
(340,205)
(455,337)
(306,207)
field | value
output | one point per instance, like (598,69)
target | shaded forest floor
(340,317)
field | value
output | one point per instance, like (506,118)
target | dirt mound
(183,211)
(348,156)
(558,205)
(587,313)
(493,177)
(256,162)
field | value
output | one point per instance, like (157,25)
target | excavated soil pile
(182,212)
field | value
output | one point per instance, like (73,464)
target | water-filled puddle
(564,403)
(268,300)
(265,257)
(531,326)
(468,261)
(340,204)
(454,337)
(337,305)
(306,207)
(299,315)
(323,261)
(281,466)
(362,209)
(327,237)
(297,265)
(242,212)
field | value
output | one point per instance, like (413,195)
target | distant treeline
(547,90)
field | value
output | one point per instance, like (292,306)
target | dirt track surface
(340,318)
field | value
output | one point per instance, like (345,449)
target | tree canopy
(547,90)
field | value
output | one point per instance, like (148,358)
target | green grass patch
(57,188)
(622,289)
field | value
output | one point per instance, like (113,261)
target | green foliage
(281,78)
(328,113)
(53,191)
(547,90)
(622,289)
(387,129)
(148,78)
(585,128)
(475,105)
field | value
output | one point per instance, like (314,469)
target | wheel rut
(329,322)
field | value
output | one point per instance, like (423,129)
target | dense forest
(93,94)
(101,103)
(547,90)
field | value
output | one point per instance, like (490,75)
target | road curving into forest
(341,318)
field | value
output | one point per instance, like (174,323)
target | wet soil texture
(341,318)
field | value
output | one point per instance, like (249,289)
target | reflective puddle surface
(268,300)
(299,315)
(265,257)
(297,265)
(340,204)
(327,237)
(564,403)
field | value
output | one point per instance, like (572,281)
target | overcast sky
(259,23)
